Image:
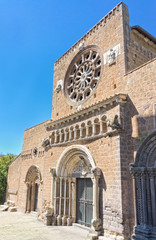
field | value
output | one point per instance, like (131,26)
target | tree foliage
(5,160)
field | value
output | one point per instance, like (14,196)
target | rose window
(83,75)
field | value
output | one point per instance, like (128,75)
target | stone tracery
(83,75)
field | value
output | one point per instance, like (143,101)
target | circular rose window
(83,75)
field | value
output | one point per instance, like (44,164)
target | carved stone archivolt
(33,174)
(75,162)
(33,180)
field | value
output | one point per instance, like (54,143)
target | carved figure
(115,123)
(45,142)
(111,58)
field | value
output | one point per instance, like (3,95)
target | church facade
(93,163)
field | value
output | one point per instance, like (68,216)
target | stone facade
(103,108)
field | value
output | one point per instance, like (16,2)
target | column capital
(152,173)
(52,171)
(96,172)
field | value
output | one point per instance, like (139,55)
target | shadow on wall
(138,125)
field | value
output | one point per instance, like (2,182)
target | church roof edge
(99,23)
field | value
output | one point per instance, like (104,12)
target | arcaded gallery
(93,164)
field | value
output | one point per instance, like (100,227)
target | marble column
(74,199)
(55,201)
(66,135)
(75,133)
(69,219)
(59,218)
(61,137)
(96,221)
(53,174)
(32,196)
(70,134)
(64,218)
(94,129)
(101,127)
(87,131)
(55,138)
(81,132)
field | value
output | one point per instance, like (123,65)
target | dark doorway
(36,197)
(84,201)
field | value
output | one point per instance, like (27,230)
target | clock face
(83,75)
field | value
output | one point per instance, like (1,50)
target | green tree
(5,160)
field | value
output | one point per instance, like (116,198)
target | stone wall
(113,152)
(107,34)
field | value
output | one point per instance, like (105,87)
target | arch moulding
(69,153)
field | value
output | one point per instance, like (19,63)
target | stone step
(92,236)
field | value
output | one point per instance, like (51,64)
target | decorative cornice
(105,103)
(101,23)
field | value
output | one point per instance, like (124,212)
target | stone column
(69,220)
(134,186)
(149,201)
(64,219)
(87,131)
(153,196)
(101,127)
(81,132)
(75,133)
(138,198)
(74,199)
(59,218)
(55,138)
(29,198)
(53,174)
(70,134)
(93,129)
(61,136)
(66,134)
(55,202)
(144,198)
(32,196)
(96,221)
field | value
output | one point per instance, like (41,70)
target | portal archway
(75,189)
(144,172)
(32,180)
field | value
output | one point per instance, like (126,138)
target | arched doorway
(32,180)
(144,172)
(75,190)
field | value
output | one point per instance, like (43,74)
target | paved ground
(20,226)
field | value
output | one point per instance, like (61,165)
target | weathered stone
(3,208)
(12,209)
(103,107)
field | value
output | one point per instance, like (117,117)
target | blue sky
(33,35)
